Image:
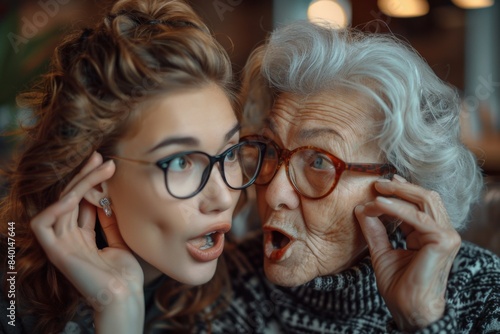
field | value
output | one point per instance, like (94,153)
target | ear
(95,194)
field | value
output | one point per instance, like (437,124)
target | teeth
(209,241)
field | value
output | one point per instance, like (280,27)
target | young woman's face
(167,234)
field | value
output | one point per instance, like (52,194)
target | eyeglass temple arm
(130,160)
(372,168)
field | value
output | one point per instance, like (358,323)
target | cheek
(331,223)
(141,203)
(332,219)
(334,238)
(155,232)
(137,192)
(262,205)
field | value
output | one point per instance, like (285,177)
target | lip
(207,255)
(276,255)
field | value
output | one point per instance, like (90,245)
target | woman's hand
(110,279)
(412,281)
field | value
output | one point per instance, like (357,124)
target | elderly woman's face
(305,238)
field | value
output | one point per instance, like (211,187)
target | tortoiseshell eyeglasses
(312,171)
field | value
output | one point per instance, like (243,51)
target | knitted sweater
(349,302)
(345,303)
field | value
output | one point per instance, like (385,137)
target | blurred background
(458,38)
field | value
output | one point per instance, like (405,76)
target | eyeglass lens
(187,174)
(312,172)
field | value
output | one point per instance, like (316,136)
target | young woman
(136,123)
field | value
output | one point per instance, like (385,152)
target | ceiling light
(404,8)
(473,4)
(336,13)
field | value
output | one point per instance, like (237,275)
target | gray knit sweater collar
(351,292)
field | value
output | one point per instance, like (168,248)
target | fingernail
(399,178)
(359,211)
(96,156)
(104,165)
(384,200)
(383,180)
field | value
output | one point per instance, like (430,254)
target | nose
(280,192)
(216,195)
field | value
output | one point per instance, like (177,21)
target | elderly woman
(363,188)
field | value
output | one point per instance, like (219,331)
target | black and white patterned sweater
(344,303)
(349,302)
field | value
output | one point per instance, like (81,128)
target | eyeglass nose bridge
(284,156)
(208,170)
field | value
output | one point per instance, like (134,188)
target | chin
(281,275)
(197,274)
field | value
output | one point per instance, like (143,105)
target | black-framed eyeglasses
(312,171)
(187,173)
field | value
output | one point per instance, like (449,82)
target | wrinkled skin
(331,234)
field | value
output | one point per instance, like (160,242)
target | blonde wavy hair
(98,79)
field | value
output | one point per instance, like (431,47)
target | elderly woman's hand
(412,281)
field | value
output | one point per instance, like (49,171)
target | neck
(150,272)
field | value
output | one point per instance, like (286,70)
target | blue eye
(179,164)
(231,156)
(321,162)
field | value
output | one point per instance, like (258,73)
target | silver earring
(106,206)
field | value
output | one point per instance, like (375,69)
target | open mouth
(204,242)
(209,242)
(279,240)
(277,245)
(207,247)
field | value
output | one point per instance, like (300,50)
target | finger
(428,201)
(399,178)
(42,224)
(406,211)
(66,222)
(95,177)
(404,190)
(94,161)
(63,221)
(111,231)
(87,217)
(70,220)
(374,232)
(419,227)
(87,222)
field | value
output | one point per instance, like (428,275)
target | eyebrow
(232,132)
(191,140)
(306,134)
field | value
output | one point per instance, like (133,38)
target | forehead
(204,116)
(342,113)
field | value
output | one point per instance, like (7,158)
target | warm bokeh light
(404,8)
(329,11)
(473,4)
